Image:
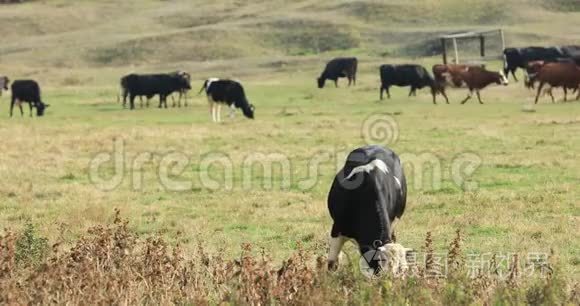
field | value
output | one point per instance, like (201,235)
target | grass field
(523,195)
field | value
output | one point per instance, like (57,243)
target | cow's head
(184,82)
(502,79)
(249,111)
(321,81)
(391,258)
(40,107)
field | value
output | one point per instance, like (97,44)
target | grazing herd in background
(552,67)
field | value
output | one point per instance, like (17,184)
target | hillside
(78,34)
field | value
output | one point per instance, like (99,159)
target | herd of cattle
(556,67)
(369,193)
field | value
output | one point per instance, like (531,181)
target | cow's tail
(203,87)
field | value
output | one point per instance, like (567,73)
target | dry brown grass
(110,264)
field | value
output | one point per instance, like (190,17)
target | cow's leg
(565,94)
(336,83)
(132,101)
(232,110)
(21,111)
(381,92)
(411,91)
(478,97)
(388,92)
(514,74)
(30,106)
(219,112)
(12,104)
(539,92)
(551,94)
(468,96)
(444,94)
(336,244)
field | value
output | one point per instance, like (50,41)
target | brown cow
(448,75)
(442,71)
(477,78)
(565,75)
(532,69)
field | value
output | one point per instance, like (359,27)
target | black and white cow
(4,81)
(229,92)
(367,194)
(340,67)
(27,91)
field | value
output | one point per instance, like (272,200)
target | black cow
(515,58)
(367,194)
(339,68)
(149,85)
(227,92)
(415,76)
(27,91)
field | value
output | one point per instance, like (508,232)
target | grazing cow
(149,85)
(27,91)
(477,78)
(4,81)
(515,58)
(366,196)
(565,75)
(231,93)
(183,92)
(415,76)
(339,68)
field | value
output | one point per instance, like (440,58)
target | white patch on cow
(377,163)
(398,182)
(504,79)
(336,245)
(208,83)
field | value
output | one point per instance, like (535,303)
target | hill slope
(64,33)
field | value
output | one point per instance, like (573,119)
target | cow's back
(26,90)
(560,74)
